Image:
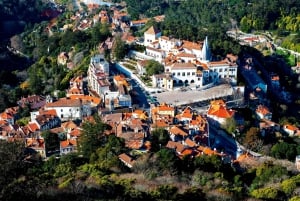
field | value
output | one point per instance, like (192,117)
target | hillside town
(150,100)
(189,71)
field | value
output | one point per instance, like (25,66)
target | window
(193,73)
(178,74)
(188,73)
(61,110)
(183,74)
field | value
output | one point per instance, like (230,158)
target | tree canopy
(93,136)
(154,67)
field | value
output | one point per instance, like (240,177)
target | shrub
(265,193)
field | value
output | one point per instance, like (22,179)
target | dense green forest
(194,19)
(96,173)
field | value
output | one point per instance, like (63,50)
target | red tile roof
(184,54)
(175,145)
(177,131)
(75,132)
(92,99)
(191,45)
(65,102)
(68,125)
(127,160)
(218,109)
(183,66)
(190,142)
(262,110)
(67,143)
(33,127)
(290,127)
(51,112)
(5,115)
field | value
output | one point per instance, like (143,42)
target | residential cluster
(185,63)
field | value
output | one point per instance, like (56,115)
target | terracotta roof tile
(67,143)
(48,112)
(177,131)
(262,110)
(75,132)
(184,54)
(191,45)
(175,145)
(183,66)
(64,102)
(190,142)
(33,127)
(126,159)
(218,109)
(5,115)
(68,125)
(290,127)
(92,99)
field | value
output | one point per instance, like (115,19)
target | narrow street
(221,141)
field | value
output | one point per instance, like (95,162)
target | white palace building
(186,62)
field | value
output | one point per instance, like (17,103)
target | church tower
(205,51)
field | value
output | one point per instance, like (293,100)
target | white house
(164,81)
(291,130)
(99,64)
(97,75)
(151,35)
(186,57)
(187,73)
(263,112)
(222,70)
(70,109)
(168,44)
(67,146)
(156,54)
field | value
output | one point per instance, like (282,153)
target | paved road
(140,96)
(221,141)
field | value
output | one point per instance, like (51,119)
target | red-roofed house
(177,146)
(37,144)
(177,134)
(68,146)
(70,109)
(162,110)
(291,130)
(219,112)
(139,23)
(263,112)
(127,160)
(190,143)
(34,101)
(7,117)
